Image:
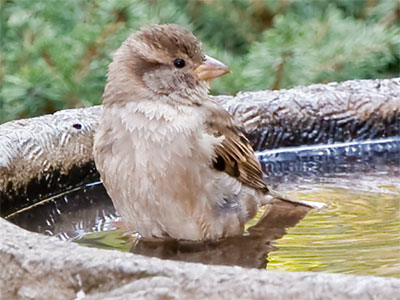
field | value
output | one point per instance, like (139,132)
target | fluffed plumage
(173,161)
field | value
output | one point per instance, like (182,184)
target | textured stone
(39,267)
(335,112)
(319,113)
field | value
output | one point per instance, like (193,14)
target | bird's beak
(210,68)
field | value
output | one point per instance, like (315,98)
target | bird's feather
(234,155)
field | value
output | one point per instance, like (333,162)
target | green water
(357,232)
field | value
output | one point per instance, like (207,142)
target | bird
(174,162)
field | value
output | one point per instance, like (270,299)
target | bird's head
(164,62)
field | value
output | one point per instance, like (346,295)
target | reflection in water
(314,163)
(88,217)
(248,250)
(357,232)
(70,215)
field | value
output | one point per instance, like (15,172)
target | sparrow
(174,162)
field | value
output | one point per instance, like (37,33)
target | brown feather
(234,155)
(173,39)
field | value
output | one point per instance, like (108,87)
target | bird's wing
(234,155)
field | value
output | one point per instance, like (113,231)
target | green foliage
(326,48)
(54,54)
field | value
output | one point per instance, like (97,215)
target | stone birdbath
(302,135)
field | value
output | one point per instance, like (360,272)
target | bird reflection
(87,217)
(249,250)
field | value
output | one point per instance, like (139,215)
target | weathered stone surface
(39,267)
(335,112)
(42,155)
(319,113)
(25,144)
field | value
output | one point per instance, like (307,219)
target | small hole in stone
(77,126)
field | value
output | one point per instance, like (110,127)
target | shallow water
(357,232)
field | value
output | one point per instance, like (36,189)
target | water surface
(357,232)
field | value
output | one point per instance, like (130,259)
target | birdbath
(337,144)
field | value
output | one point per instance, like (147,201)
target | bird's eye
(179,63)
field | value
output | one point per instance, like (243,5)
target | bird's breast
(152,133)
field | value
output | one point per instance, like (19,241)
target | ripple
(357,233)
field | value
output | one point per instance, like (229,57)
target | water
(357,232)
(70,215)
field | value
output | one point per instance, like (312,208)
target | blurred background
(54,54)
